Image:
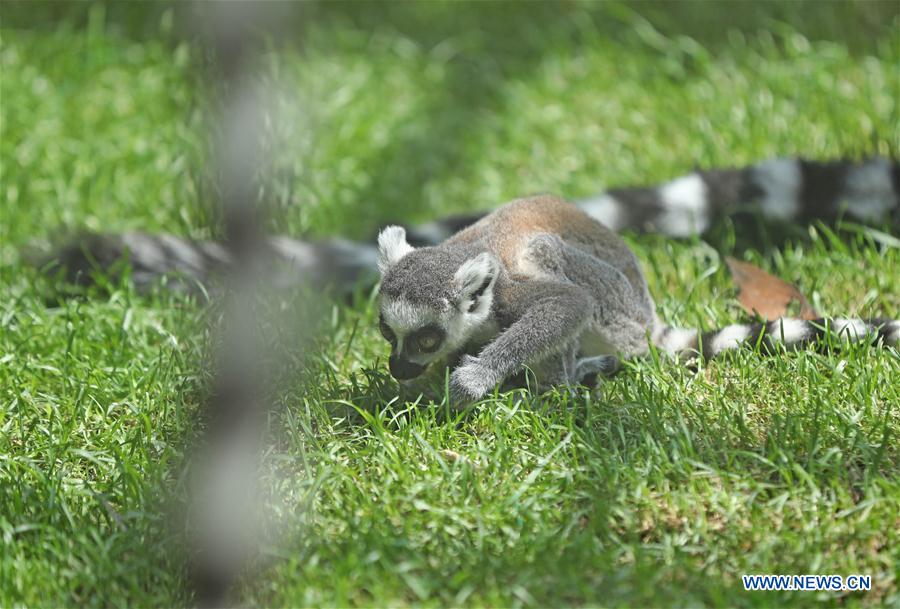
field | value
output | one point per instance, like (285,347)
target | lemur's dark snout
(403,370)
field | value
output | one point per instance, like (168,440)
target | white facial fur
(405,318)
(392,246)
(474,280)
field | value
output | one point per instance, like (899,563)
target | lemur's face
(418,334)
(430,304)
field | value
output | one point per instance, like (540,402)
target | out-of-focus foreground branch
(224,507)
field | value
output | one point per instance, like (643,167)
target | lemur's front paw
(471,381)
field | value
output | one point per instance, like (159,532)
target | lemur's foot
(471,381)
(604,365)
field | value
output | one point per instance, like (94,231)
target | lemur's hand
(471,380)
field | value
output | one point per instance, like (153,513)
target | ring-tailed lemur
(540,281)
(781,189)
(542,284)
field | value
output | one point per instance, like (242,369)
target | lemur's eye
(428,341)
(386,331)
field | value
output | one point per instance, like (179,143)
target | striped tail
(780,189)
(784,189)
(193,266)
(786,332)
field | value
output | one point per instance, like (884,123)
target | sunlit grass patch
(661,486)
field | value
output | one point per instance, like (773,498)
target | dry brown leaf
(766,295)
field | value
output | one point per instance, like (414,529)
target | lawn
(660,487)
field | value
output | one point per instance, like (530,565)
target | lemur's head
(432,300)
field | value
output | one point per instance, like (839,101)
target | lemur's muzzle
(402,369)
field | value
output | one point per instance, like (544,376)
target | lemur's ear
(475,280)
(392,246)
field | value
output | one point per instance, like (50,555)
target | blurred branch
(224,510)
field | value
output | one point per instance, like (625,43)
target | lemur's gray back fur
(784,189)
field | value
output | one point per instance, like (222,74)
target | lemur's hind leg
(598,365)
(566,368)
(622,314)
(558,368)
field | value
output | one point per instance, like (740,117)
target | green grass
(660,487)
